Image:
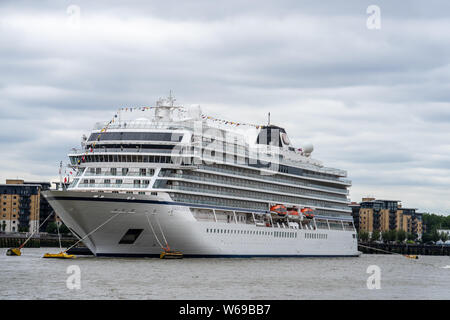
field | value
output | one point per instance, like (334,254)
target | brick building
(383,215)
(22,209)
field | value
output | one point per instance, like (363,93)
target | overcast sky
(374,102)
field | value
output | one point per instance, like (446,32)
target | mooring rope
(165,240)
(92,232)
(23,244)
(153,230)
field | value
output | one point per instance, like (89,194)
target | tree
(435,236)
(433,221)
(392,235)
(385,236)
(426,237)
(444,236)
(63,229)
(24,229)
(51,228)
(375,235)
(411,236)
(363,236)
(401,236)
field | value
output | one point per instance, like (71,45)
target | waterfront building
(22,209)
(383,215)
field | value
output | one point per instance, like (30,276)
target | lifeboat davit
(308,213)
(279,210)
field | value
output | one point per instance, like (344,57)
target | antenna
(171,99)
(268,123)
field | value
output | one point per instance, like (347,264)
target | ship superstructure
(172,176)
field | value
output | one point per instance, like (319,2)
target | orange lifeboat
(293,213)
(308,213)
(279,209)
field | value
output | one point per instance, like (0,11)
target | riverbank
(38,241)
(401,248)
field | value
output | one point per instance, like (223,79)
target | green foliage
(433,221)
(435,236)
(375,236)
(443,236)
(24,229)
(52,228)
(363,235)
(400,235)
(385,236)
(411,236)
(426,237)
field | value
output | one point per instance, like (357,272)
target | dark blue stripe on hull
(145,255)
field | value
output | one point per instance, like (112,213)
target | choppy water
(31,277)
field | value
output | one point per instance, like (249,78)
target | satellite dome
(308,148)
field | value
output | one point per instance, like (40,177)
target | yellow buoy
(61,255)
(171,254)
(13,252)
(411,256)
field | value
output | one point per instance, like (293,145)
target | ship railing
(114,185)
(119,174)
(238,193)
(267,187)
(145,124)
(270,178)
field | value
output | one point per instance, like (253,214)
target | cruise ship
(168,177)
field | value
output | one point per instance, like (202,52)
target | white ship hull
(83,212)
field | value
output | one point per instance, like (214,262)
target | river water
(31,277)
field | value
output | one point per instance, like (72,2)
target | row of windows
(6,197)
(255,184)
(316,236)
(134,136)
(188,186)
(112,183)
(120,171)
(14,203)
(255,174)
(276,234)
(120,158)
(194,199)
